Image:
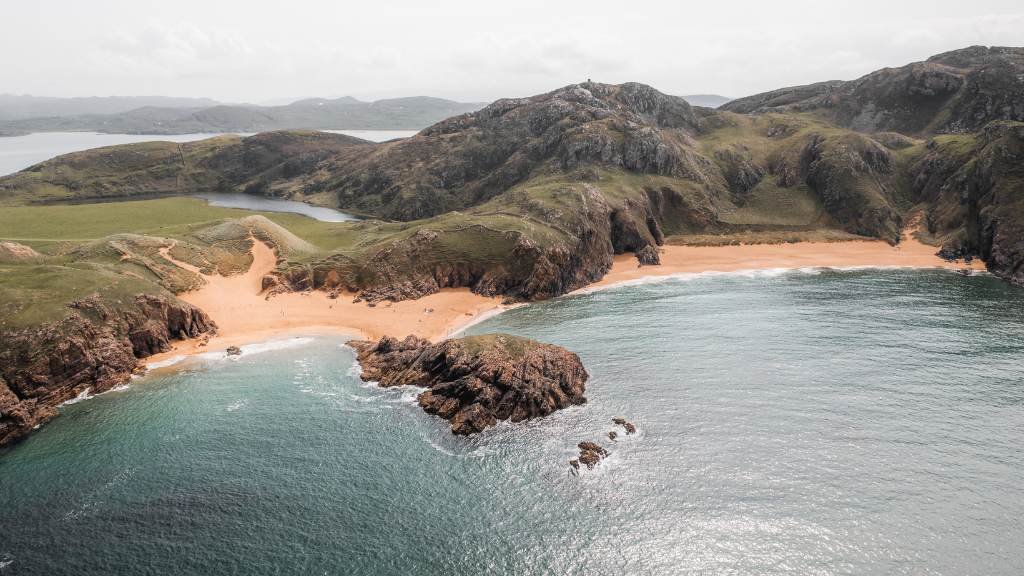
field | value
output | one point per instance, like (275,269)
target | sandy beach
(851,254)
(244,316)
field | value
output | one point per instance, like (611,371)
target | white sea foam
(407,394)
(280,344)
(257,348)
(481,317)
(83,395)
(355,370)
(165,363)
(743,273)
(437,446)
(237,405)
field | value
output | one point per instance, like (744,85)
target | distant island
(159,115)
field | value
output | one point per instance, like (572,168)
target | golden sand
(244,316)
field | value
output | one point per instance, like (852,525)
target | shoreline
(244,316)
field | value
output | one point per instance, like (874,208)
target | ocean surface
(814,422)
(20,152)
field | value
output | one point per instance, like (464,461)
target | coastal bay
(802,420)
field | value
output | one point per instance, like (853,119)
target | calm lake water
(20,152)
(249,202)
(866,422)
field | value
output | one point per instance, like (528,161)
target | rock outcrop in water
(96,347)
(591,454)
(475,381)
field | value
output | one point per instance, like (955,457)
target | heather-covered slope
(224,163)
(81,318)
(954,92)
(973,187)
(469,159)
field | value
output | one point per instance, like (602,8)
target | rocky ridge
(955,92)
(476,381)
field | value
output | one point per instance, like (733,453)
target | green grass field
(42,226)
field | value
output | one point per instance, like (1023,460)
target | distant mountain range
(168,115)
(159,115)
(22,107)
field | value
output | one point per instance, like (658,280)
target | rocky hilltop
(469,159)
(474,382)
(954,92)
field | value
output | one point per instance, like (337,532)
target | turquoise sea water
(862,422)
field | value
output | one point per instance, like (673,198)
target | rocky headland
(476,381)
(95,347)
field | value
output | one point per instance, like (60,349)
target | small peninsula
(476,381)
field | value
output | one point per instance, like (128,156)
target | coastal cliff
(95,347)
(474,382)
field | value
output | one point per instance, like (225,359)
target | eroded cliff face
(95,347)
(466,160)
(568,244)
(974,189)
(474,382)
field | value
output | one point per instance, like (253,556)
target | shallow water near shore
(808,422)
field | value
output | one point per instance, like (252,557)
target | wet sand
(244,316)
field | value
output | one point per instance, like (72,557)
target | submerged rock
(591,454)
(234,351)
(630,428)
(474,382)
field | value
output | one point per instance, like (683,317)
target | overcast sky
(474,50)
